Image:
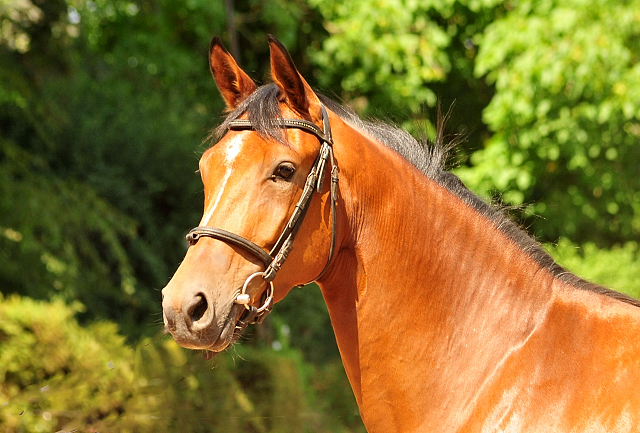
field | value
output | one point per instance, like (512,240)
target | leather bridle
(274,259)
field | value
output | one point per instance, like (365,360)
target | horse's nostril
(198,309)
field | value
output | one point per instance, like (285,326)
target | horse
(448,316)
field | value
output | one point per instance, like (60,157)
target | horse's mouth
(229,334)
(240,315)
(212,338)
(198,329)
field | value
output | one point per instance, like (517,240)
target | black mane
(262,108)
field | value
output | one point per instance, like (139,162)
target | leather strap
(305,125)
(231,238)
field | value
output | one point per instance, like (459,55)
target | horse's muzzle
(192,321)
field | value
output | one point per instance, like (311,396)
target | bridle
(274,259)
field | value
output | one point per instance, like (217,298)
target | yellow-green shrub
(56,375)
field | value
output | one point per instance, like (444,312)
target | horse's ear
(299,95)
(234,84)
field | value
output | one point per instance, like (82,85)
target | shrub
(616,268)
(55,375)
(58,376)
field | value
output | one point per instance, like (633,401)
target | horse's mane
(262,108)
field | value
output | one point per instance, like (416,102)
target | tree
(565,117)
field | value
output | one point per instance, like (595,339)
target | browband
(323,136)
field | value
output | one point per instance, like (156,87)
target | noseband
(274,259)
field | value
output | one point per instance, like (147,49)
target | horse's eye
(285,171)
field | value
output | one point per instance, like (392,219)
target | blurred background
(104,105)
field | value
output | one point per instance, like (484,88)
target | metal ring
(242,297)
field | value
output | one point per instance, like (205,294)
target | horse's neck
(427,287)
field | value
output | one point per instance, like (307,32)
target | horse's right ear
(234,84)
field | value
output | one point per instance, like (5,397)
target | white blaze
(233,150)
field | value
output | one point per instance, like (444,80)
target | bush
(616,268)
(56,375)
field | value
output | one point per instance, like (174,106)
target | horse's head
(256,180)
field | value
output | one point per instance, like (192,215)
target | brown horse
(447,316)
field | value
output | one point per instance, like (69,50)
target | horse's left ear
(299,95)
(234,84)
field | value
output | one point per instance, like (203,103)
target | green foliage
(301,321)
(57,375)
(385,50)
(247,389)
(395,58)
(566,116)
(61,234)
(294,23)
(616,268)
